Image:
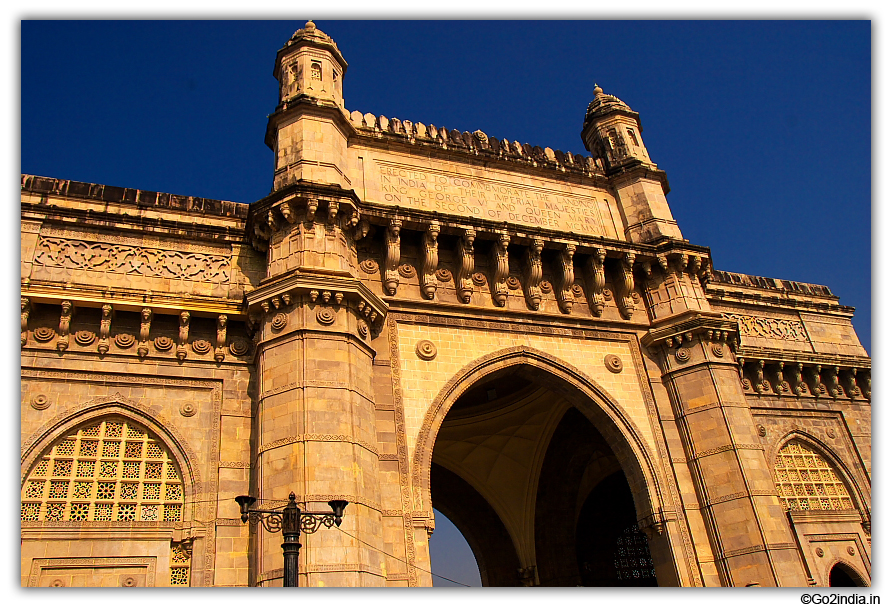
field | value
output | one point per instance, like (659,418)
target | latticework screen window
(632,558)
(111,470)
(806,481)
(180,561)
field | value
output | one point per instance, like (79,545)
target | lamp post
(291,521)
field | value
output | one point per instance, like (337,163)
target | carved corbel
(288,211)
(798,386)
(533,274)
(272,220)
(392,257)
(596,269)
(219,352)
(64,325)
(145,323)
(758,366)
(694,265)
(849,383)
(183,335)
(429,264)
(332,213)
(262,230)
(500,261)
(465,255)
(833,382)
(626,285)
(564,292)
(865,379)
(814,379)
(105,327)
(362,230)
(663,263)
(26,312)
(312,205)
(779,378)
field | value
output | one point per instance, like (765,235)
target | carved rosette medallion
(513,283)
(546,286)
(613,363)
(577,290)
(819,552)
(406,270)
(717,350)
(238,347)
(124,340)
(369,266)
(44,334)
(683,354)
(745,384)
(478,279)
(201,346)
(426,350)
(362,328)
(188,409)
(325,316)
(830,432)
(40,402)
(443,274)
(761,430)
(279,321)
(608,294)
(163,343)
(850,550)
(84,338)
(765,386)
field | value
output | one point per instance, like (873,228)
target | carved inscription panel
(502,200)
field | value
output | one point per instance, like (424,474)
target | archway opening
(451,556)
(843,576)
(534,485)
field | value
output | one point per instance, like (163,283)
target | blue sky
(763,128)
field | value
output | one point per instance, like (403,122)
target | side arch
(583,392)
(849,479)
(116,404)
(850,570)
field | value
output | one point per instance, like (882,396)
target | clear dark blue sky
(763,128)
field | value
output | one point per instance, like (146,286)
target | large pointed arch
(582,391)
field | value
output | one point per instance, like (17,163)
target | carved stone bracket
(427,279)
(105,327)
(500,261)
(219,351)
(145,324)
(392,257)
(465,255)
(26,312)
(626,285)
(183,335)
(564,291)
(533,274)
(64,325)
(595,267)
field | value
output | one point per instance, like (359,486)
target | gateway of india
(419,318)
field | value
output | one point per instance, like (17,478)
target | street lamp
(291,521)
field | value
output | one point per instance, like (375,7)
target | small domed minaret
(613,132)
(309,129)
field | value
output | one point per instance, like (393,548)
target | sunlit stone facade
(419,318)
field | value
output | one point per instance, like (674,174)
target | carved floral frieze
(771,328)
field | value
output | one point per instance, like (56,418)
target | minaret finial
(310,25)
(597,91)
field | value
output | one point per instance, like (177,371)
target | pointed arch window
(805,480)
(110,470)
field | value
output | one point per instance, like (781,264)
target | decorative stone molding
(123,259)
(426,350)
(219,352)
(428,280)
(499,259)
(465,256)
(533,274)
